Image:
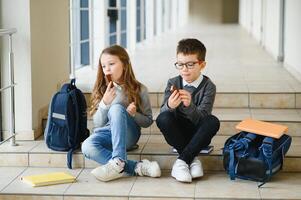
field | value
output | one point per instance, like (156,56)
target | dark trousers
(188,139)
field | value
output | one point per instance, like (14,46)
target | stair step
(230,117)
(153,147)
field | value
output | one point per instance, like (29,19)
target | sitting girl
(120,107)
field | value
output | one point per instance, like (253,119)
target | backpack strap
(69,157)
(240,144)
(70,152)
(266,149)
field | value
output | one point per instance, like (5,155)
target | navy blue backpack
(254,157)
(67,121)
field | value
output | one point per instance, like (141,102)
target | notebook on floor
(205,150)
(48,179)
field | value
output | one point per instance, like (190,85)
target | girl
(119,108)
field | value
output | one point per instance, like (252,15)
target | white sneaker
(180,171)
(196,169)
(147,168)
(110,171)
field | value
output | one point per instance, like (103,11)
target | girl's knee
(85,147)
(117,108)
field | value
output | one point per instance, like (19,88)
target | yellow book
(48,179)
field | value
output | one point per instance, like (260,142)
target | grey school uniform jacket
(201,102)
(143,118)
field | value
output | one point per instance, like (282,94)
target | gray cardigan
(202,99)
(143,118)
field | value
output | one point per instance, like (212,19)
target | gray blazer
(202,99)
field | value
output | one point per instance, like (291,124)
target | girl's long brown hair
(130,85)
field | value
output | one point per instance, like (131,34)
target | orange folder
(262,128)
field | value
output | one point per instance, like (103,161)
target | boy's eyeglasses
(189,65)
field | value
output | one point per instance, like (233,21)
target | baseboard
(21,135)
(293,71)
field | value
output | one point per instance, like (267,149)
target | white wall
(271,30)
(49,25)
(149,19)
(256,23)
(183,12)
(13,16)
(41,48)
(266,14)
(292,39)
(98,27)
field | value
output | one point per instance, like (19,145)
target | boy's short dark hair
(192,46)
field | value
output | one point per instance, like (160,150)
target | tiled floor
(214,185)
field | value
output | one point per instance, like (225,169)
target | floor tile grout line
(134,182)
(82,169)
(14,178)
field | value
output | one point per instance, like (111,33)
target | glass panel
(84,3)
(84,25)
(112,3)
(84,53)
(113,25)
(123,3)
(123,20)
(138,36)
(138,17)
(113,39)
(138,3)
(123,39)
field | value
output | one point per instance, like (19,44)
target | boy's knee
(213,121)
(164,118)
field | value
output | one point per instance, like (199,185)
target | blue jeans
(112,140)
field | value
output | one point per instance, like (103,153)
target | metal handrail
(7,31)
(11,85)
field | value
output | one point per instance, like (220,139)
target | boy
(185,117)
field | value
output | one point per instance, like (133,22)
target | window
(117,13)
(80,33)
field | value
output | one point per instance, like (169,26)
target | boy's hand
(109,94)
(174,100)
(131,109)
(185,97)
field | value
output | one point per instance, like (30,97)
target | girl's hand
(131,109)
(185,97)
(174,100)
(109,94)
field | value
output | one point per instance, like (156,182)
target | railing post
(12,89)
(11,85)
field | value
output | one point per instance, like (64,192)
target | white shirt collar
(195,83)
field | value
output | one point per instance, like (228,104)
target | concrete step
(153,147)
(282,186)
(263,99)
(230,117)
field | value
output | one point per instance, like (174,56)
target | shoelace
(144,170)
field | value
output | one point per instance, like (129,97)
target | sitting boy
(185,117)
